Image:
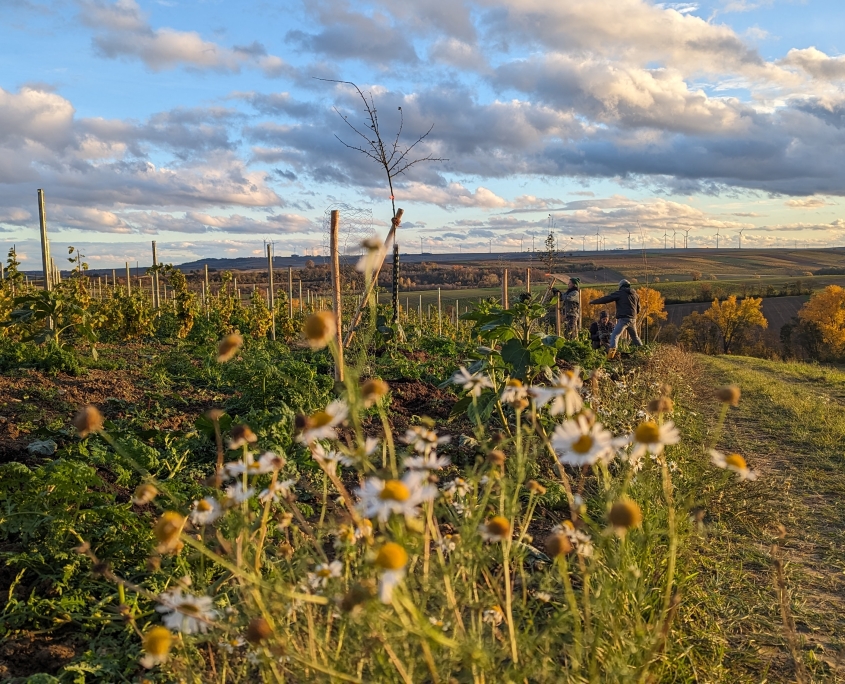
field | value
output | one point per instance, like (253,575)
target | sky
(213,126)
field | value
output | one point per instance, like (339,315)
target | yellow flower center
(625,515)
(319,328)
(324,572)
(736,461)
(391,556)
(168,527)
(498,526)
(647,433)
(157,641)
(394,490)
(583,444)
(204,506)
(319,419)
(189,609)
(513,382)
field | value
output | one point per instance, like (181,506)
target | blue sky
(200,124)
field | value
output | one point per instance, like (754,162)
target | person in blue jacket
(627,308)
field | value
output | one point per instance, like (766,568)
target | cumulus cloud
(122,31)
(816,63)
(807,203)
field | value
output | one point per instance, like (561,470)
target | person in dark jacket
(627,308)
(600,331)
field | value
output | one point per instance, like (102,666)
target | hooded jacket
(627,302)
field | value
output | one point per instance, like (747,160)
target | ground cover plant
(475,502)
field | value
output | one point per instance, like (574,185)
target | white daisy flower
(229,645)
(206,511)
(475,384)
(236,493)
(495,616)
(733,462)
(446,543)
(496,529)
(275,490)
(373,256)
(352,534)
(330,458)
(430,461)
(423,440)
(514,392)
(323,573)
(381,498)
(186,613)
(564,392)
(581,541)
(391,559)
(651,438)
(323,424)
(457,488)
(543,596)
(577,443)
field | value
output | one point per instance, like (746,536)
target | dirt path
(790,426)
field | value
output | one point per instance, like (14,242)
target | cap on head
(603,314)
(624,283)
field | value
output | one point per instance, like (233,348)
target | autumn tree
(652,307)
(699,334)
(733,319)
(826,312)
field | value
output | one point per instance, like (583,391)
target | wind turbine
(629,238)
(740,237)
(674,233)
(665,238)
(583,243)
(597,239)
(686,237)
(717,238)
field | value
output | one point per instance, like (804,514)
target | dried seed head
(625,515)
(242,434)
(88,420)
(496,457)
(144,493)
(535,487)
(391,556)
(228,347)
(215,414)
(157,642)
(558,545)
(167,530)
(258,630)
(498,526)
(372,390)
(320,327)
(358,594)
(661,405)
(729,394)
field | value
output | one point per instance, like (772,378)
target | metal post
(395,281)
(154,279)
(528,281)
(45,246)
(439,315)
(270,294)
(300,295)
(335,262)
(128,281)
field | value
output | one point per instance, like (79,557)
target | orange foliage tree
(652,307)
(826,311)
(734,318)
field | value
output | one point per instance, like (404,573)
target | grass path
(790,426)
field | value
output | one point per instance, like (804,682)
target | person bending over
(627,308)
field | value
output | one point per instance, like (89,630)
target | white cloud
(122,31)
(816,63)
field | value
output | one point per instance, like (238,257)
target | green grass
(790,426)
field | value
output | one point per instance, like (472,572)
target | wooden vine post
(338,318)
(154,283)
(128,281)
(505,289)
(395,281)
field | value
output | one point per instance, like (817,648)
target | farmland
(188,499)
